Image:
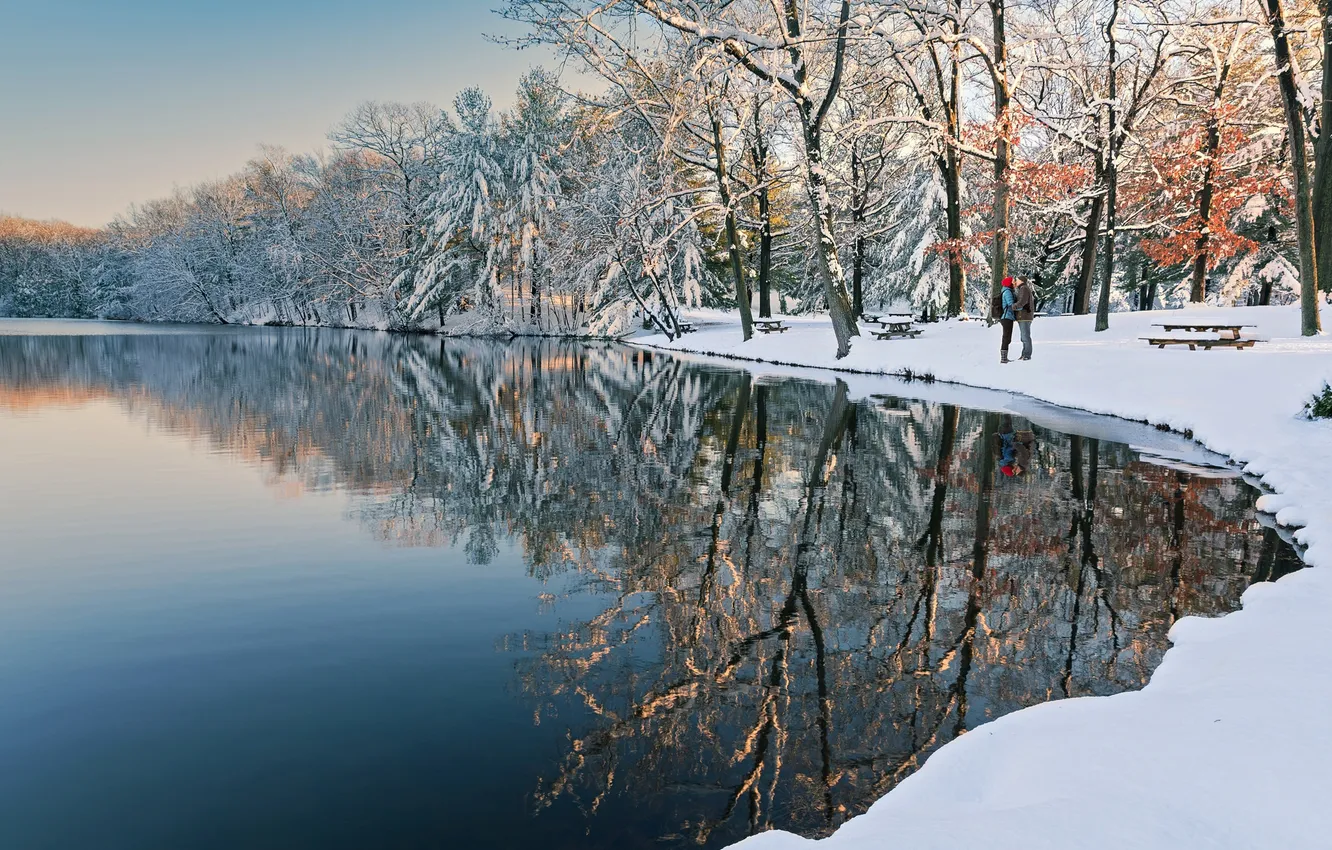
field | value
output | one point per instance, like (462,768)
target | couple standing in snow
(1019,305)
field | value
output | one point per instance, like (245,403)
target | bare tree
(789,47)
(408,140)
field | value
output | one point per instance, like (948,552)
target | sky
(105,103)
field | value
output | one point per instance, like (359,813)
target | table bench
(1207,344)
(896,333)
(1205,327)
(771,327)
(892,325)
(686,327)
(888,318)
(1228,336)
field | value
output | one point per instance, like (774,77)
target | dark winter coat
(1024,302)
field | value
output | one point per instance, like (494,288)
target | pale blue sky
(108,102)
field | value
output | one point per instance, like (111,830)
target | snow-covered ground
(1230,745)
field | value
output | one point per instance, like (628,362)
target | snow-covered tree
(459,260)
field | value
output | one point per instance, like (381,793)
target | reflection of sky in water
(205,642)
(189,660)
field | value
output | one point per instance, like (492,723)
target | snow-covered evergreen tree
(460,257)
(632,247)
(535,133)
(909,264)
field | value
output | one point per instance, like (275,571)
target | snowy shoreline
(1226,746)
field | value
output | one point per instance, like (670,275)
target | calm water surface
(299,589)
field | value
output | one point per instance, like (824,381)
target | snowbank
(1230,744)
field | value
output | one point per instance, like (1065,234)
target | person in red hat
(1014,448)
(1007,318)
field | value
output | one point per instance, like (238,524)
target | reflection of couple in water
(1014,448)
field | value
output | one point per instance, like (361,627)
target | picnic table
(896,332)
(686,327)
(889,318)
(1228,336)
(1205,327)
(892,326)
(771,326)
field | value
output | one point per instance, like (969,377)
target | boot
(1003,355)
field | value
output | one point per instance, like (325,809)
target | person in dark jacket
(1007,318)
(1024,310)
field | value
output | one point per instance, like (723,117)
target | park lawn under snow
(1230,745)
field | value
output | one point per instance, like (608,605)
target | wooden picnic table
(895,331)
(771,326)
(889,318)
(1228,336)
(686,327)
(1205,327)
(1207,344)
(892,325)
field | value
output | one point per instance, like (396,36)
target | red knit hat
(1007,470)
(1008,281)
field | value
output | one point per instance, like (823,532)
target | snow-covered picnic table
(889,318)
(1233,330)
(892,325)
(1228,336)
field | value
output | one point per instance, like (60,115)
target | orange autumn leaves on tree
(1173,185)
(1035,185)
(1046,184)
(31,232)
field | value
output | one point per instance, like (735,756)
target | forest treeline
(809,155)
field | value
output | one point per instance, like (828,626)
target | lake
(283,588)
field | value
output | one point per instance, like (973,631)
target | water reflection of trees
(870,592)
(804,595)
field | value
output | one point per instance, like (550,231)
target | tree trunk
(765,254)
(830,266)
(1299,162)
(858,278)
(933,539)
(980,556)
(1111,170)
(1201,256)
(858,195)
(816,177)
(1090,239)
(732,234)
(760,155)
(1138,278)
(1108,274)
(1322,191)
(999,214)
(952,174)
